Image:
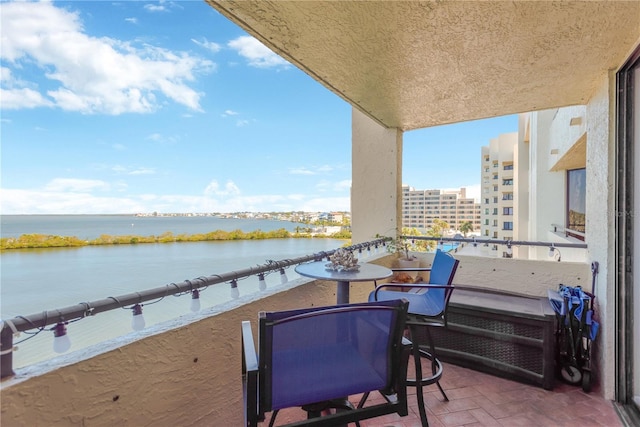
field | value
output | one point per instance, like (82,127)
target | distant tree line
(32,241)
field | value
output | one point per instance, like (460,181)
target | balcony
(478,399)
(187,372)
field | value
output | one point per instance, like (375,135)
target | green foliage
(343,234)
(438,228)
(28,241)
(466,227)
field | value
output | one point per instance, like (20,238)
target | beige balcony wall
(376,179)
(601,236)
(191,376)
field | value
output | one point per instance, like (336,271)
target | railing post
(6,353)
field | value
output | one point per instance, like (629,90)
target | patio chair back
(443,270)
(319,354)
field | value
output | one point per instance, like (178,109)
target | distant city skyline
(173,108)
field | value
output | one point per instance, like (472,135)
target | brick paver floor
(479,399)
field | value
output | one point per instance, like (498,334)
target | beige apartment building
(498,189)
(421,207)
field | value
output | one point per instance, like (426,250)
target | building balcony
(479,399)
(187,371)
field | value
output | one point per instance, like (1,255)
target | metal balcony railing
(62,316)
(553,246)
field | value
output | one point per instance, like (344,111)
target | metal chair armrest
(409,285)
(409,269)
(252,413)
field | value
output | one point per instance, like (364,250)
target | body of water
(36,280)
(92,226)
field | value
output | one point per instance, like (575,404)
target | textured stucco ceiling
(410,64)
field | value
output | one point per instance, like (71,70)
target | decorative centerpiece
(342,260)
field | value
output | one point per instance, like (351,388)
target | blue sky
(126,107)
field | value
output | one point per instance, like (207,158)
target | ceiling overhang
(415,64)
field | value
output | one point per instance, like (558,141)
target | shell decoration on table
(342,260)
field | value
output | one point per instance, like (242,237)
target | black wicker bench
(505,334)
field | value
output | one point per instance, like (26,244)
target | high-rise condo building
(421,207)
(534,185)
(497,188)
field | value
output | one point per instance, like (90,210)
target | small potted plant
(404,247)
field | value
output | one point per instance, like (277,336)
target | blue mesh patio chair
(315,358)
(428,304)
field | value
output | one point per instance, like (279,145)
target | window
(507,182)
(507,211)
(508,225)
(576,202)
(507,196)
(508,167)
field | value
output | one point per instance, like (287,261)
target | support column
(376,183)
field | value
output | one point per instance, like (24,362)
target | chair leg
(273,417)
(418,381)
(435,362)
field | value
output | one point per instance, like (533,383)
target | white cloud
(75,185)
(325,168)
(89,74)
(16,93)
(163,139)
(212,46)
(14,99)
(59,202)
(142,171)
(138,171)
(343,185)
(131,20)
(301,171)
(62,199)
(339,186)
(256,53)
(323,204)
(155,8)
(229,113)
(213,189)
(316,170)
(241,123)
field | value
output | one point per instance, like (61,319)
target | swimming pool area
(448,247)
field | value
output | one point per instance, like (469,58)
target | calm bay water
(45,279)
(92,226)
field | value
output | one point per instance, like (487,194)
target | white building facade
(421,207)
(498,188)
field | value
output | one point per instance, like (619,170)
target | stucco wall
(191,376)
(376,186)
(527,277)
(563,135)
(600,218)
